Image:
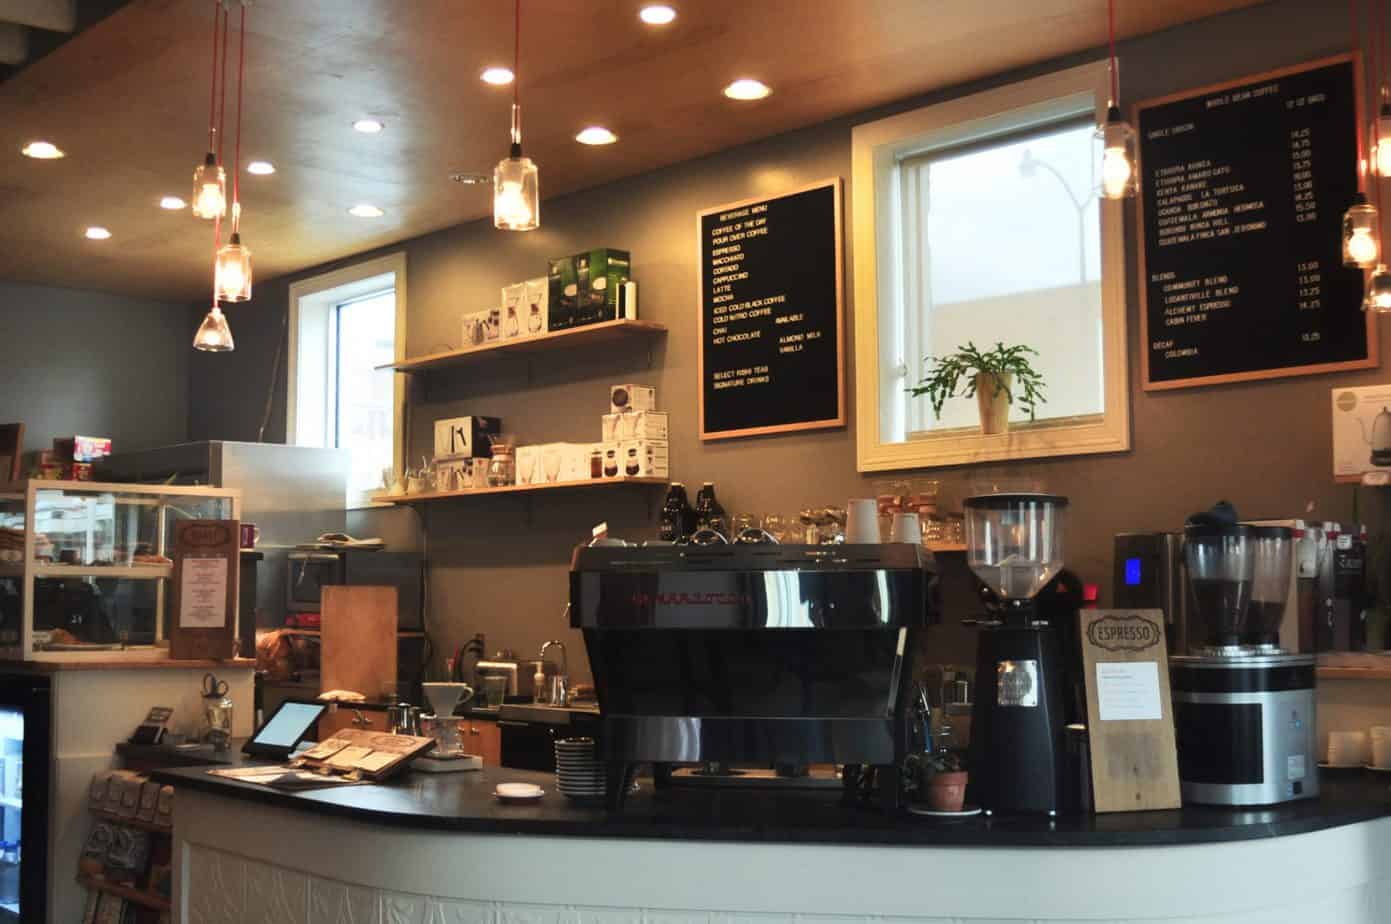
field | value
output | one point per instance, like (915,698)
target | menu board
(771,321)
(1244,186)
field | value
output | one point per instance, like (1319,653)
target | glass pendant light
(214,336)
(209,199)
(1119,178)
(1361,247)
(516,189)
(234,271)
(1380,159)
(1378,291)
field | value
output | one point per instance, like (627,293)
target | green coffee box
(601,273)
(563,296)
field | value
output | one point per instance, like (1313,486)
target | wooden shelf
(941,547)
(131,573)
(400,633)
(1353,673)
(138,896)
(514,489)
(588,335)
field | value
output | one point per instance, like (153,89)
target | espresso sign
(771,321)
(1244,186)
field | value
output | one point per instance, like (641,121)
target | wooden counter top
(99,663)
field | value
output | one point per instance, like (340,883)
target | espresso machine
(1244,708)
(1014,545)
(761,655)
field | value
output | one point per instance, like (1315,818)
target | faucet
(560,684)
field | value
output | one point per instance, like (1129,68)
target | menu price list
(1244,188)
(770,286)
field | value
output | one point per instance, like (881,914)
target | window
(343,326)
(977,220)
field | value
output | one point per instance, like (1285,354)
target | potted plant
(996,378)
(944,782)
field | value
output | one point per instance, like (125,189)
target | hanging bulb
(209,189)
(1119,179)
(1360,245)
(1378,291)
(234,270)
(516,190)
(214,336)
(1380,154)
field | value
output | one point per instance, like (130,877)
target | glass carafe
(1220,569)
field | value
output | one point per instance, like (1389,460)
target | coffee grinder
(1244,709)
(1014,544)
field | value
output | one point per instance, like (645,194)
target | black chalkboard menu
(771,351)
(1243,191)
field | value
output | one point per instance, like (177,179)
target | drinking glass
(526,465)
(551,460)
(775,525)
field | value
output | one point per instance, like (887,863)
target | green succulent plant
(954,376)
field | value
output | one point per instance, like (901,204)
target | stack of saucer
(579,774)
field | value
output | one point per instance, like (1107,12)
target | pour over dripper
(444,698)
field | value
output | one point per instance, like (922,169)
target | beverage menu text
(1244,188)
(770,303)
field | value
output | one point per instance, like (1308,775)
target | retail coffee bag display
(466,437)
(645,459)
(601,274)
(1361,431)
(514,311)
(536,299)
(563,293)
(475,329)
(625,398)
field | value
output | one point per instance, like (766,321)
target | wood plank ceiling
(127,100)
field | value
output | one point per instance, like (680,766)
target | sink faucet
(560,684)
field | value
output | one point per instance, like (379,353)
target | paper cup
(862,522)
(907,527)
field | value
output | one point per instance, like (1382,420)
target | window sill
(1084,436)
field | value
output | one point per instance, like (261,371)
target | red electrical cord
(517,53)
(212,84)
(1111,37)
(236,157)
(1356,46)
(222,102)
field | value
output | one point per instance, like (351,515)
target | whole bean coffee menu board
(771,318)
(1244,186)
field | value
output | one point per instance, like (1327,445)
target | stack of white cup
(862,524)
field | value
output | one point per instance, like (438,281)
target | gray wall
(95,364)
(499,564)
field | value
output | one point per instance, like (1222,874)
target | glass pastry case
(86,566)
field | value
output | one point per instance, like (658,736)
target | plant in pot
(996,378)
(943,782)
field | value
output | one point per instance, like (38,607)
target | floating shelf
(946,547)
(138,896)
(130,573)
(515,489)
(588,335)
(1353,673)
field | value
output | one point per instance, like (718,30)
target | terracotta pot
(994,409)
(946,792)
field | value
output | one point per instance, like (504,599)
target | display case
(85,567)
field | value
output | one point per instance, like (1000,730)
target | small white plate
(518,792)
(966,812)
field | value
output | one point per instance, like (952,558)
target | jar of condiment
(502,468)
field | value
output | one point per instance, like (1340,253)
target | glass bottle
(634,464)
(709,514)
(502,468)
(611,463)
(677,515)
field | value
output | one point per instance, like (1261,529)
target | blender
(1014,544)
(1244,709)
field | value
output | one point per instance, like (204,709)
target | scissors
(212,687)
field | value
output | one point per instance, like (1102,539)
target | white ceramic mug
(862,521)
(1347,748)
(1381,747)
(907,527)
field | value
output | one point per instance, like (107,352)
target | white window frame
(309,395)
(876,150)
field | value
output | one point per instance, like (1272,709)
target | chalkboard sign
(1244,186)
(771,351)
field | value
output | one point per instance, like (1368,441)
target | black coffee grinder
(1014,544)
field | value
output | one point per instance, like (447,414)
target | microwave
(309,571)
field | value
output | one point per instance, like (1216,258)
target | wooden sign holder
(204,541)
(1130,714)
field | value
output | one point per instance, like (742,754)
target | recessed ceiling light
(746,88)
(363,210)
(42,150)
(260,167)
(471,179)
(497,76)
(368,126)
(657,14)
(172,203)
(97,233)
(596,134)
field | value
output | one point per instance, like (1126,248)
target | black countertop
(464,802)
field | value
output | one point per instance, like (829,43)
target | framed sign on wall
(1243,189)
(772,322)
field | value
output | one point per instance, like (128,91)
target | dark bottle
(678,519)
(709,514)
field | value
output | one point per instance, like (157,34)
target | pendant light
(214,335)
(209,198)
(1378,297)
(1119,178)
(516,194)
(1361,232)
(232,275)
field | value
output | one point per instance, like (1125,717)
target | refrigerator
(26,749)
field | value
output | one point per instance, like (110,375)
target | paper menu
(347,758)
(326,749)
(377,760)
(1128,691)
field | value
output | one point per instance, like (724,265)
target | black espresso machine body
(753,654)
